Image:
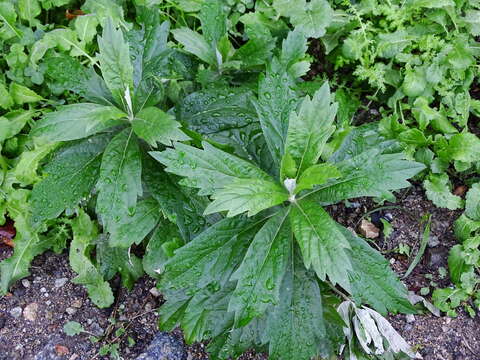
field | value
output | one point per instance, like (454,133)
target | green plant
(256,279)
(464,262)
(419,60)
(102,152)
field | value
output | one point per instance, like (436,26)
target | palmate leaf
(295,328)
(247,195)
(119,183)
(209,169)
(76,121)
(309,130)
(71,175)
(261,272)
(323,246)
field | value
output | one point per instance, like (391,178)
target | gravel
(165,346)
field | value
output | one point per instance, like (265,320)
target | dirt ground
(34,313)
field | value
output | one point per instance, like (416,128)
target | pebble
(77,303)
(154,291)
(96,329)
(61,350)
(60,282)
(148,306)
(30,312)
(410,318)
(433,241)
(55,349)
(70,311)
(16,312)
(368,230)
(437,256)
(164,346)
(43,290)
(26,283)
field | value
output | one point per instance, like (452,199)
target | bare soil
(437,338)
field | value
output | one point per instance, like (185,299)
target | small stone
(49,315)
(122,318)
(70,311)
(148,306)
(448,320)
(408,327)
(26,283)
(48,302)
(60,282)
(392,261)
(61,350)
(16,312)
(43,290)
(165,346)
(410,318)
(30,312)
(89,321)
(73,357)
(368,230)
(77,303)
(154,291)
(96,329)
(433,241)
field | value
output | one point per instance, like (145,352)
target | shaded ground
(58,300)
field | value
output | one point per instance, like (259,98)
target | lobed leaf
(247,195)
(209,169)
(71,175)
(133,229)
(117,70)
(295,328)
(261,272)
(309,130)
(84,235)
(153,125)
(119,183)
(323,246)
(77,121)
